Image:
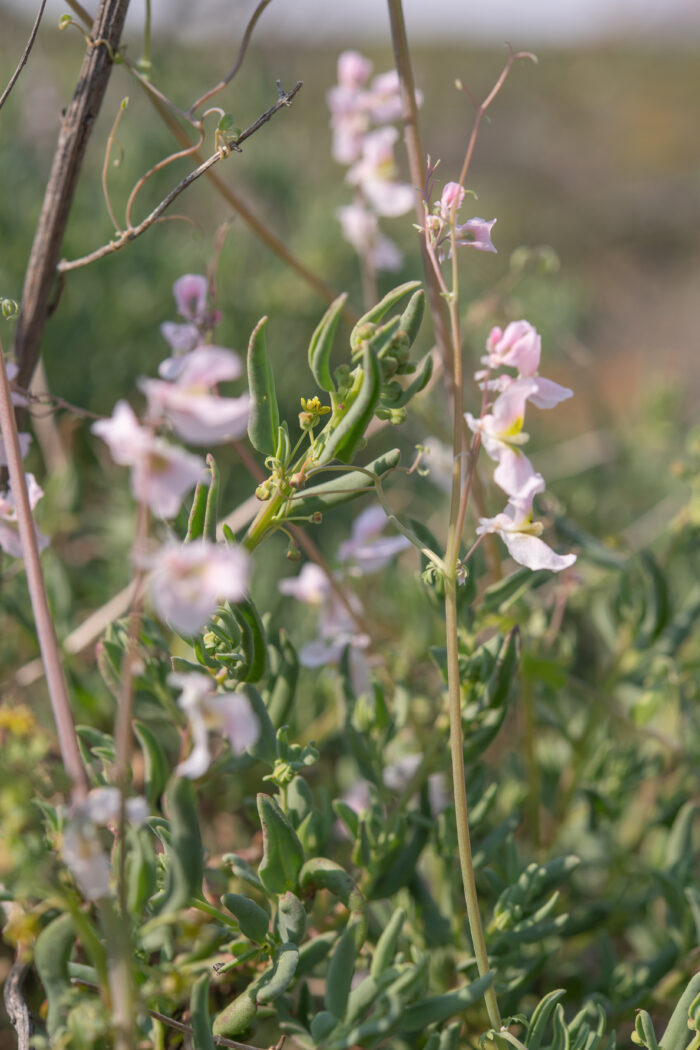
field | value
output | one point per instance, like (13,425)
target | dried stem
(129,235)
(25,55)
(75,132)
(37,591)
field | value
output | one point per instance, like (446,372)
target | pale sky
(523,21)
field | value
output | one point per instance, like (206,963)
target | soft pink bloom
(361,229)
(81,848)
(476,233)
(367,549)
(354,70)
(311,586)
(519,347)
(9,528)
(25,441)
(375,174)
(502,426)
(198,415)
(161,474)
(522,536)
(191,292)
(12,371)
(383,101)
(189,580)
(180,337)
(451,199)
(515,472)
(230,713)
(547,393)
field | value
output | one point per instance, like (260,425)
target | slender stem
(417,166)
(46,634)
(25,55)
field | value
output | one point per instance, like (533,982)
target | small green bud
(263,492)
(9,308)
(317,517)
(226,123)
(64,21)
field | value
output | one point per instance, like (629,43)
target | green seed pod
(195,522)
(236,1018)
(212,507)
(413,315)
(343,441)
(278,978)
(51,954)
(322,344)
(263,421)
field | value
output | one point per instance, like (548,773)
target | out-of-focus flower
(81,848)
(476,233)
(161,474)
(188,580)
(198,415)
(450,199)
(229,713)
(367,550)
(360,228)
(354,70)
(519,347)
(311,586)
(25,441)
(191,291)
(521,534)
(376,174)
(9,528)
(383,101)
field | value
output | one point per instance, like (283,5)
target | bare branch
(239,58)
(65,169)
(17,1009)
(285,99)
(25,55)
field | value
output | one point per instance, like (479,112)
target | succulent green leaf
(212,505)
(386,945)
(155,763)
(676,1033)
(278,978)
(343,441)
(283,855)
(253,642)
(52,951)
(382,308)
(185,862)
(340,973)
(199,1014)
(291,918)
(236,1017)
(265,747)
(195,522)
(343,488)
(320,873)
(252,919)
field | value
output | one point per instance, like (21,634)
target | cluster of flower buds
(186,581)
(363,138)
(500,426)
(474,233)
(9,530)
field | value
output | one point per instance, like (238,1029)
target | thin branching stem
(239,58)
(129,235)
(25,55)
(46,634)
(105,166)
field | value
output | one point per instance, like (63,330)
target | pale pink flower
(311,586)
(191,292)
(12,371)
(198,415)
(383,100)
(354,70)
(25,441)
(361,229)
(367,549)
(81,848)
(181,337)
(9,528)
(451,200)
(519,347)
(375,174)
(476,233)
(522,536)
(230,713)
(515,472)
(502,427)
(189,580)
(161,474)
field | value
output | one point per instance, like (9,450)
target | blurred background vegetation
(594,151)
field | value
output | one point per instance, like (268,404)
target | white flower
(161,474)
(199,415)
(81,848)
(522,536)
(9,527)
(188,581)
(360,228)
(375,173)
(311,586)
(231,713)
(367,549)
